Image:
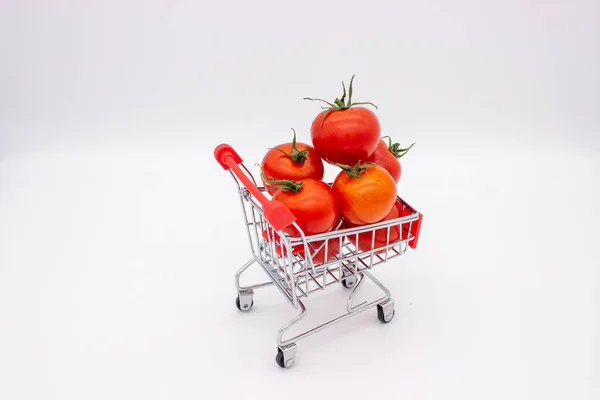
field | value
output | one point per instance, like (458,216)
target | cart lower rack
(299,266)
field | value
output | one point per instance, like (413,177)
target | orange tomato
(366,193)
(381,235)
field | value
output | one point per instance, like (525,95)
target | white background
(120,235)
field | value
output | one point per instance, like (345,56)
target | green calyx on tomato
(285,184)
(395,149)
(298,156)
(340,103)
(357,170)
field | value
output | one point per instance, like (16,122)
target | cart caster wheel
(244,301)
(285,357)
(385,311)
(349,281)
(279,358)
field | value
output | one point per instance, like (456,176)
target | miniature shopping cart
(299,266)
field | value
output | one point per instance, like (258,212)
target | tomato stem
(357,170)
(324,101)
(395,149)
(285,184)
(298,156)
(340,103)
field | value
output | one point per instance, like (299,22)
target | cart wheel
(279,358)
(243,307)
(349,281)
(385,311)
(285,357)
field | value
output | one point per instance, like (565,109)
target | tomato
(343,133)
(387,156)
(316,248)
(381,235)
(313,203)
(295,161)
(346,136)
(272,236)
(333,250)
(405,227)
(366,193)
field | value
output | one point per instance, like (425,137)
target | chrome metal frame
(288,262)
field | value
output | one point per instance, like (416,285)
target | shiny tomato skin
(315,207)
(333,250)
(277,165)
(346,136)
(383,156)
(381,235)
(366,199)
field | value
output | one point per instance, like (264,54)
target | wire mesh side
(304,265)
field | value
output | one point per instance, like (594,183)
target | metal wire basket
(301,265)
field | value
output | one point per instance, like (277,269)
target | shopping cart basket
(299,266)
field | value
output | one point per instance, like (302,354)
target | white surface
(120,235)
(117,281)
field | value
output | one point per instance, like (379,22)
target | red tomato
(272,236)
(381,235)
(313,203)
(316,248)
(366,193)
(405,213)
(344,134)
(295,161)
(333,250)
(387,156)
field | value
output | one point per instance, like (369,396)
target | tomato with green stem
(366,193)
(313,203)
(294,160)
(344,133)
(387,155)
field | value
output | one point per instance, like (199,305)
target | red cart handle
(276,213)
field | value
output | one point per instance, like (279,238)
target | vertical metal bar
(256,240)
(306,269)
(340,258)
(291,266)
(400,236)
(272,241)
(284,260)
(263,248)
(265,226)
(357,252)
(245,212)
(372,248)
(258,232)
(281,260)
(308,257)
(387,243)
(325,260)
